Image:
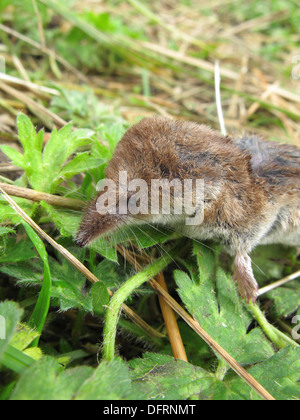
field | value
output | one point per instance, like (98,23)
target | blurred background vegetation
(126,59)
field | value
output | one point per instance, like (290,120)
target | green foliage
(166,379)
(91,56)
(53,317)
(13,252)
(208,292)
(67,283)
(276,262)
(46,169)
(47,380)
(11,313)
(40,312)
(279,374)
(215,303)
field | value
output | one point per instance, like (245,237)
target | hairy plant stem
(277,337)
(221,370)
(115,304)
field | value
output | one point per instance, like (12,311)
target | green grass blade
(41,309)
(16,360)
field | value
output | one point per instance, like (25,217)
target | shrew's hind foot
(243,275)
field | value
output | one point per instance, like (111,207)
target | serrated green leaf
(55,154)
(107,272)
(32,145)
(280,375)
(110,381)
(70,296)
(161,377)
(26,272)
(112,134)
(59,148)
(215,303)
(14,252)
(68,285)
(43,170)
(67,282)
(46,380)
(67,221)
(83,162)
(9,215)
(26,131)
(56,149)
(16,157)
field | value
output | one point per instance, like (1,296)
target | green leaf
(40,312)
(70,296)
(32,145)
(10,315)
(15,252)
(100,297)
(43,170)
(81,163)
(143,236)
(59,148)
(55,154)
(16,360)
(37,242)
(9,215)
(113,133)
(161,377)
(67,282)
(67,221)
(108,252)
(5,230)
(286,300)
(268,262)
(153,377)
(46,380)
(16,157)
(26,272)
(56,149)
(34,353)
(216,305)
(11,357)
(26,132)
(280,375)
(107,271)
(23,337)
(78,138)
(110,381)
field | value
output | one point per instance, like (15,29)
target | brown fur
(252,190)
